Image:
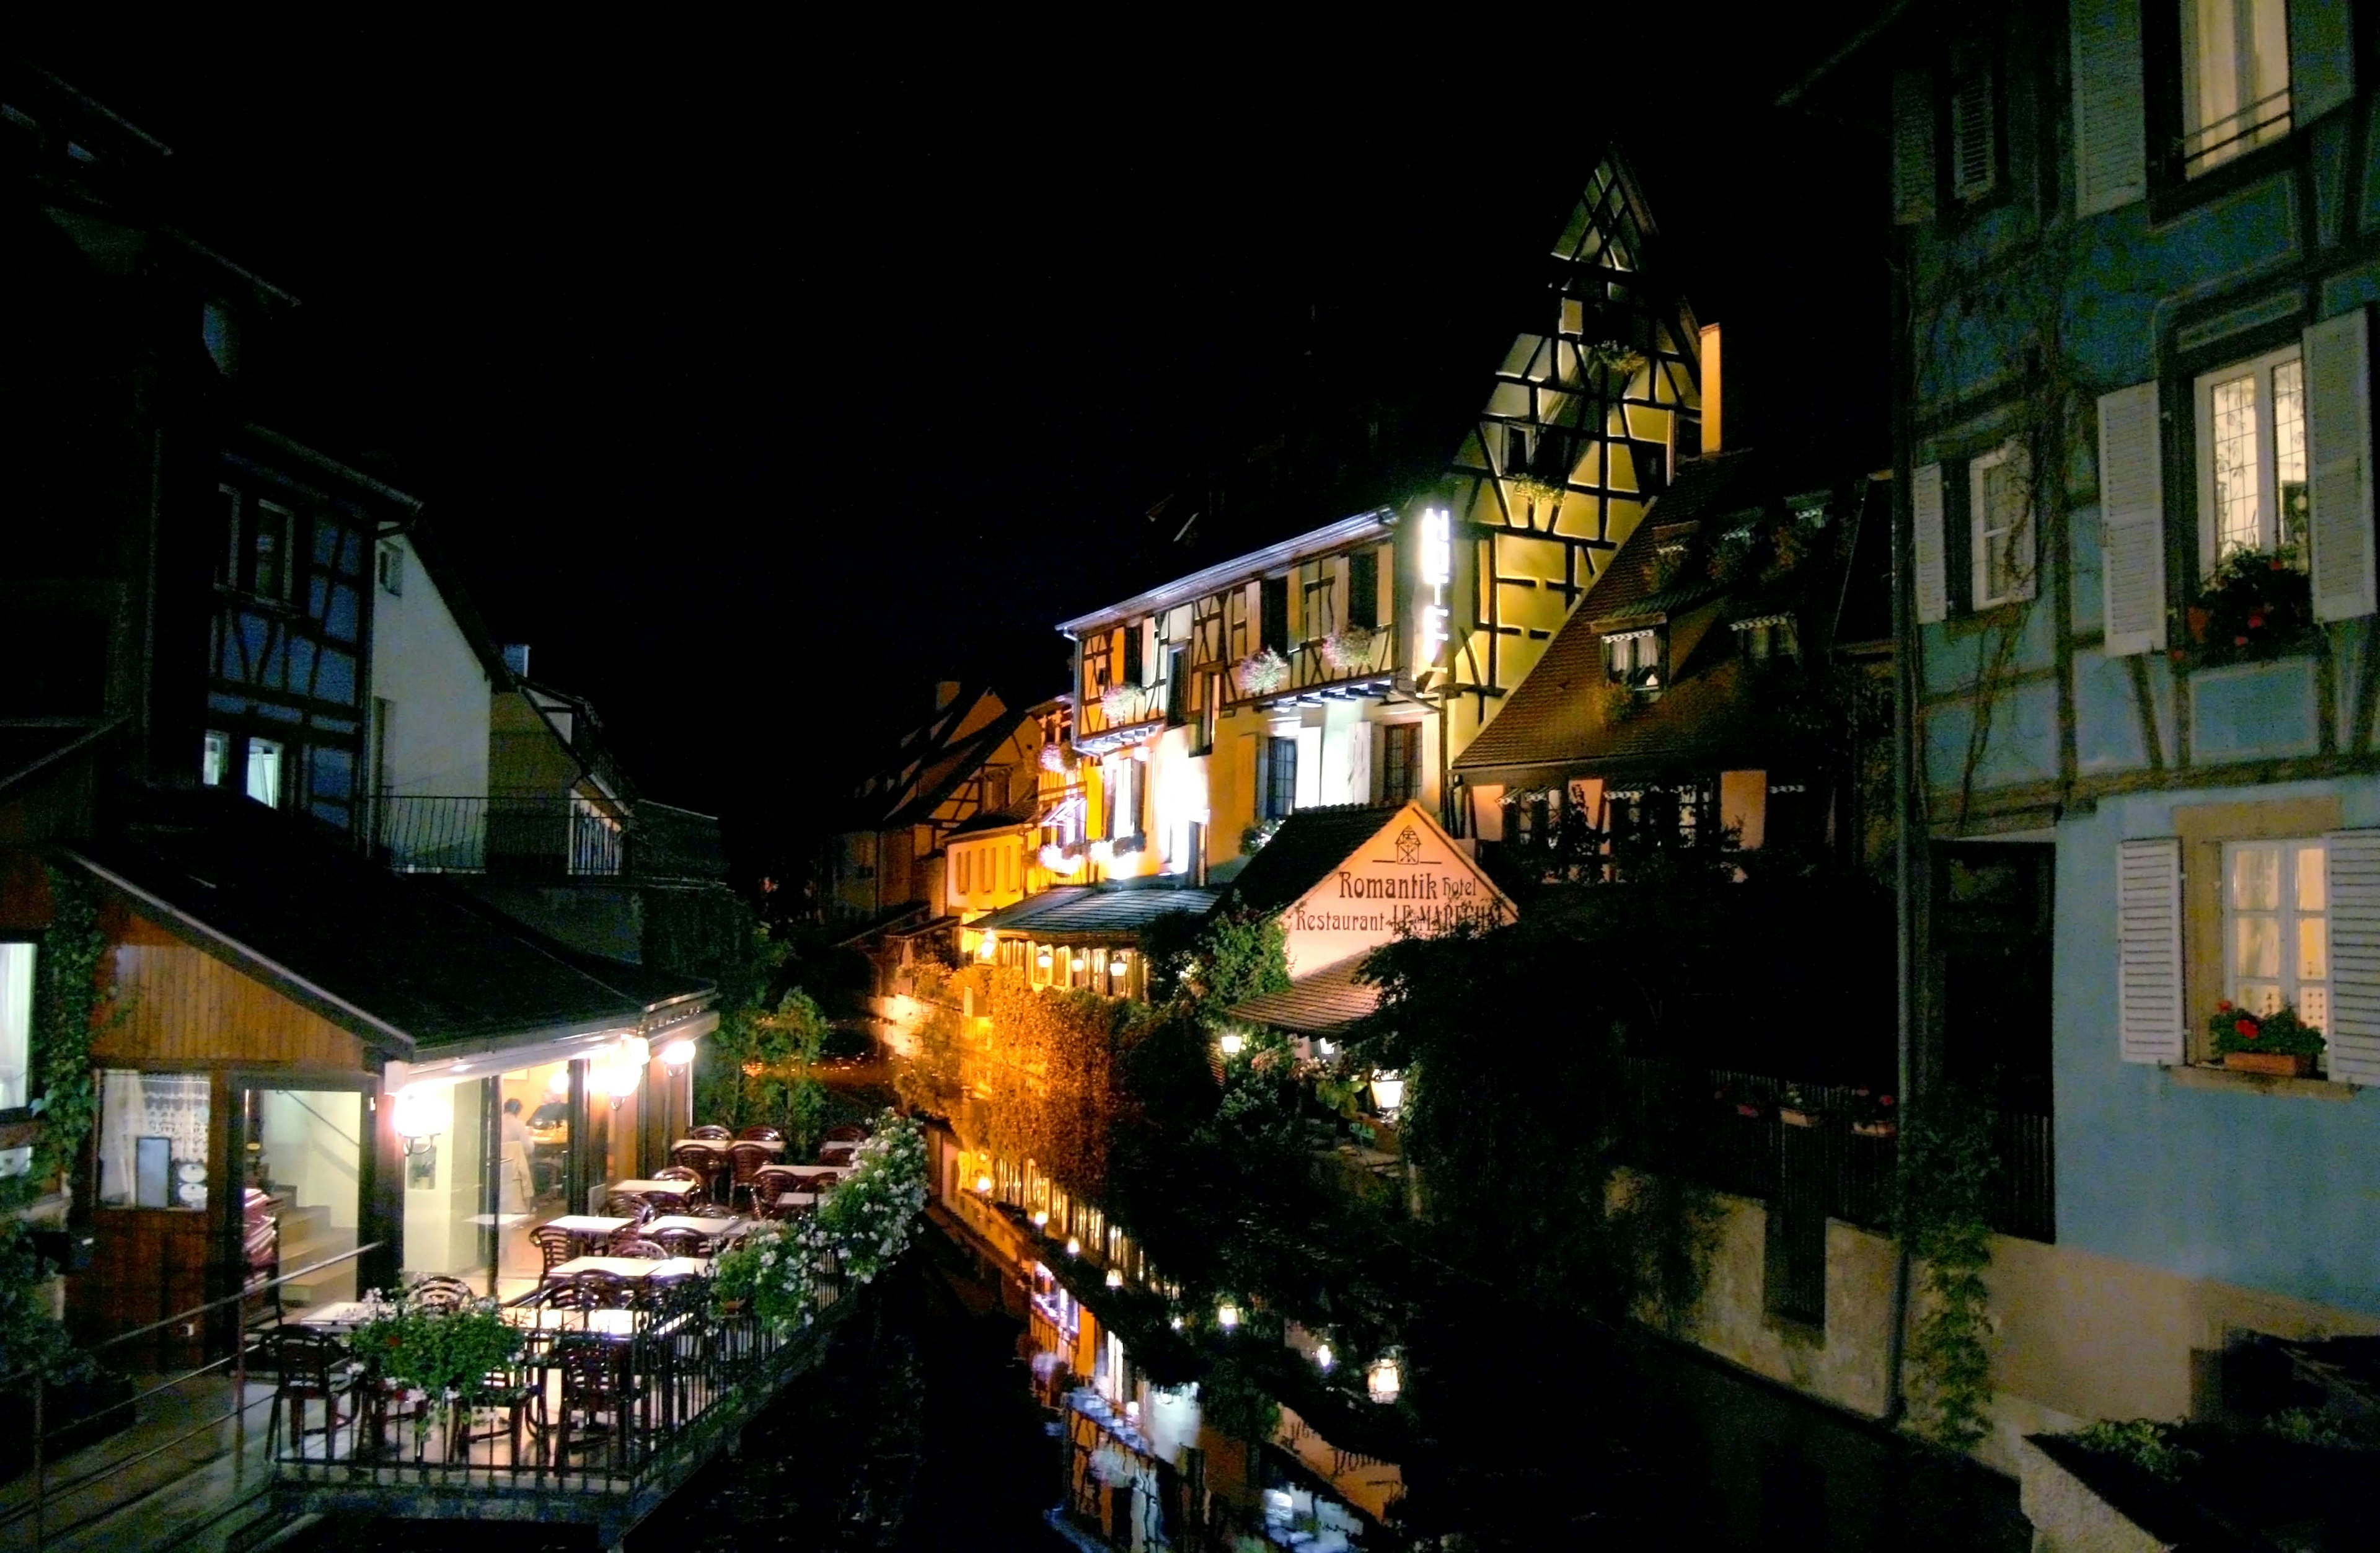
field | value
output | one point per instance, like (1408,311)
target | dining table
(588,1227)
(811,1173)
(791,1200)
(720,1145)
(657,1188)
(632,1267)
(713,1229)
(338,1315)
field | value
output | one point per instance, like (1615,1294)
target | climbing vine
(1946,1165)
(1053,1076)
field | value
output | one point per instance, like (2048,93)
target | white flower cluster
(861,1229)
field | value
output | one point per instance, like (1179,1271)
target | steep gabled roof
(1302,853)
(1319,1003)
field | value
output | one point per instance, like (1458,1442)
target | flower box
(1796,1115)
(1876,1129)
(2279,1065)
(1747,1110)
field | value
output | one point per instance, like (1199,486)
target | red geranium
(2223,1005)
(2247,1028)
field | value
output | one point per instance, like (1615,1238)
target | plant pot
(1793,1115)
(1876,1129)
(2279,1065)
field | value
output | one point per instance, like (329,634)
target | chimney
(1711,398)
(516,658)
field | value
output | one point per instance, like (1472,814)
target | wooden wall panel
(187,1007)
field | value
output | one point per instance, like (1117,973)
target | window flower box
(1800,1116)
(2279,1043)
(1348,649)
(1262,672)
(2258,605)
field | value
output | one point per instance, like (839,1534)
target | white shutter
(2148,937)
(2322,57)
(2354,1032)
(1927,551)
(1975,160)
(2110,135)
(1912,146)
(2132,522)
(2338,438)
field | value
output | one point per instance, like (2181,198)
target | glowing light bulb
(1041,1218)
(1227,1317)
(679,1053)
(1115,1279)
(1323,1358)
(1074,1246)
(1177,1324)
(559,1085)
(983,1184)
(1234,1042)
(1384,1380)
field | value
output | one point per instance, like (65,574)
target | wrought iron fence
(543,836)
(1730,1134)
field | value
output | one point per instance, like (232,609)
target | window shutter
(2110,137)
(1912,146)
(1975,164)
(2322,57)
(2028,549)
(1926,550)
(2148,936)
(2339,433)
(2354,1032)
(2131,521)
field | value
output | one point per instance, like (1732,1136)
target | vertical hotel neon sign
(1436,573)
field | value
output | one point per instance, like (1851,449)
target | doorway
(303,1173)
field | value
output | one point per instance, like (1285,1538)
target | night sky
(756,380)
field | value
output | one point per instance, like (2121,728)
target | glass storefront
(532,1167)
(444,1130)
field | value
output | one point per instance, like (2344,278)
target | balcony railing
(542,837)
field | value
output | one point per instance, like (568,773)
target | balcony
(1346,665)
(545,837)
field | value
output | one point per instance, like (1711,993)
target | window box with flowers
(1262,672)
(1349,648)
(1799,1108)
(1874,1115)
(2257,604)
(2279,1043)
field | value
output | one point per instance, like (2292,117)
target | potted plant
(1615,363)
(445,1355)
(1350,647)
(1874,1115)
(1262,672)
(1799,1108)
(2280,1043)
(2258,603)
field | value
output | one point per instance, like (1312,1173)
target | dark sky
(756,379)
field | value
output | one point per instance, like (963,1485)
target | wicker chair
(705,1164)
(763,1135)
(631,1205)
(769,1180)
(313,1368)
(679,1243)
(635,1245)
(439,1293)
(556,1246)
(594,1291)
(712,1129)
(846,1132)
(595,1384)
(745,1161)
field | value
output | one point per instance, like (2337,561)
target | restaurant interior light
(989,946)
(1078,962)
(559,1085)
(1041,1218)
(416,1115)
(1044,956)
(679,1053)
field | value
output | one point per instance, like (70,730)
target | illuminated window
(268,545)
(2276,927)
(15,1023)
(2235,79)
(1633,659)
(1400,763)
(216,758)
(2251,459)
(1280,794)
(264,759)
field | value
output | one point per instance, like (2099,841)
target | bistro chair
(770,1180)
(596,1385)
(846,1132)
(712,1129)
(314,1367)
(745,1161)
(763,1135)
(677,1173)
(837,1153)
(593,1291)
(702,1208)
(679,1243)
(705,1164)
(440,1291)
(556,1245)
(629,1244)
(627,1205)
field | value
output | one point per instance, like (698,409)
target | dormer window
(1636,659)
(1767,639)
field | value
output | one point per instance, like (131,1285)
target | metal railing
(233,1365)
(1703,1132)
(545,836)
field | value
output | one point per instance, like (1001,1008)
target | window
(1634,658)
(2276,927)
(1974,125)
(1274,610)
(1136,637)
(1364,588)
(389,562)
(268,544)
(1316,588)
(1516,451)
(1400,763)
(1280,794)
(2252,460)
(960,867)
(15,1023)
(1770,639)
(2235,79)
(216,757)
(264,772)
(1999,511)
(1125,780)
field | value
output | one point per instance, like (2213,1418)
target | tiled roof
(399,960)
(1117,911)
(1316,1003)
(1711,710)
(1309,844)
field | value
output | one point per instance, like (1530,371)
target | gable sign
(1409,878)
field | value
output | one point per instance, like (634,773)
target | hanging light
(1044,956)
(1115,1279)
(622,1080)
(1074,1246)
(679,1053)
(1384,1380)
(1387,1091)
(1227,1316)
(1323,1357)
(1116,967)
(1079,962)
(1234,1042)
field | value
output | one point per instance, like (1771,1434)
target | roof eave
(1377,522)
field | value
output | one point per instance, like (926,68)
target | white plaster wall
(423,665)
